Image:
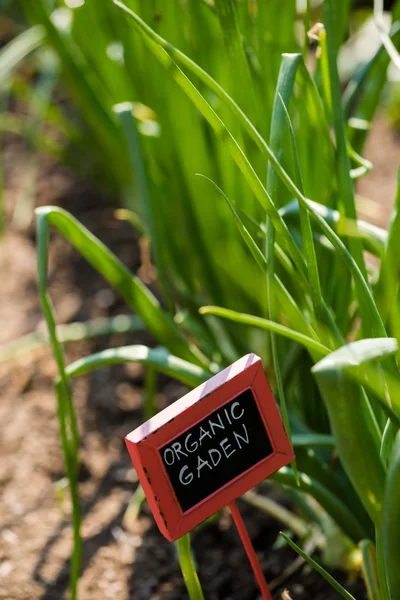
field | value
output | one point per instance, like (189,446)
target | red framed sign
(206,449)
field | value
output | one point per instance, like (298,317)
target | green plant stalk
(325,76)
(307,22)
(322,315)
(307,342)
(275,358)
(381,566)
(70,447)
(388,438)
(295,316)
(126,118)
(357,448)
(300,296)
(134,506)
(66,415)
(391,523)
(251,244)
(124,214)
(241,82)
(386,289)
(157,358)
(370,569)
(346,198)
(188,569)
(335,584)
(284,91)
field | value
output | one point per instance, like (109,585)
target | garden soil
(131,561)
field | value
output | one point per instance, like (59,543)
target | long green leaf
(124,111)
(254,321)
(353,423)
(346,199)
(188,569)
(135,293)
(66,414)
(369,569)
(157,358)
(331,580)
(381,565)
(361,352)
(390,266)
(283,93)
(307,234)
(240,79)
(354,361)
(244,232)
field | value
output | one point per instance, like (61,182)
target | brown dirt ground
(35,532)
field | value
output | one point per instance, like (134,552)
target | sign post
(251,554)
(208,448)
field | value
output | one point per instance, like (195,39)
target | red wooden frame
(144,443)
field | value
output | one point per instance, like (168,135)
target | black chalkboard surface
(216,450)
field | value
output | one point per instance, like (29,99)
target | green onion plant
(262,253)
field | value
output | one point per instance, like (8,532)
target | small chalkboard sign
(216,450)
(209,447)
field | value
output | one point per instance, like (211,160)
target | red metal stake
(251,554)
